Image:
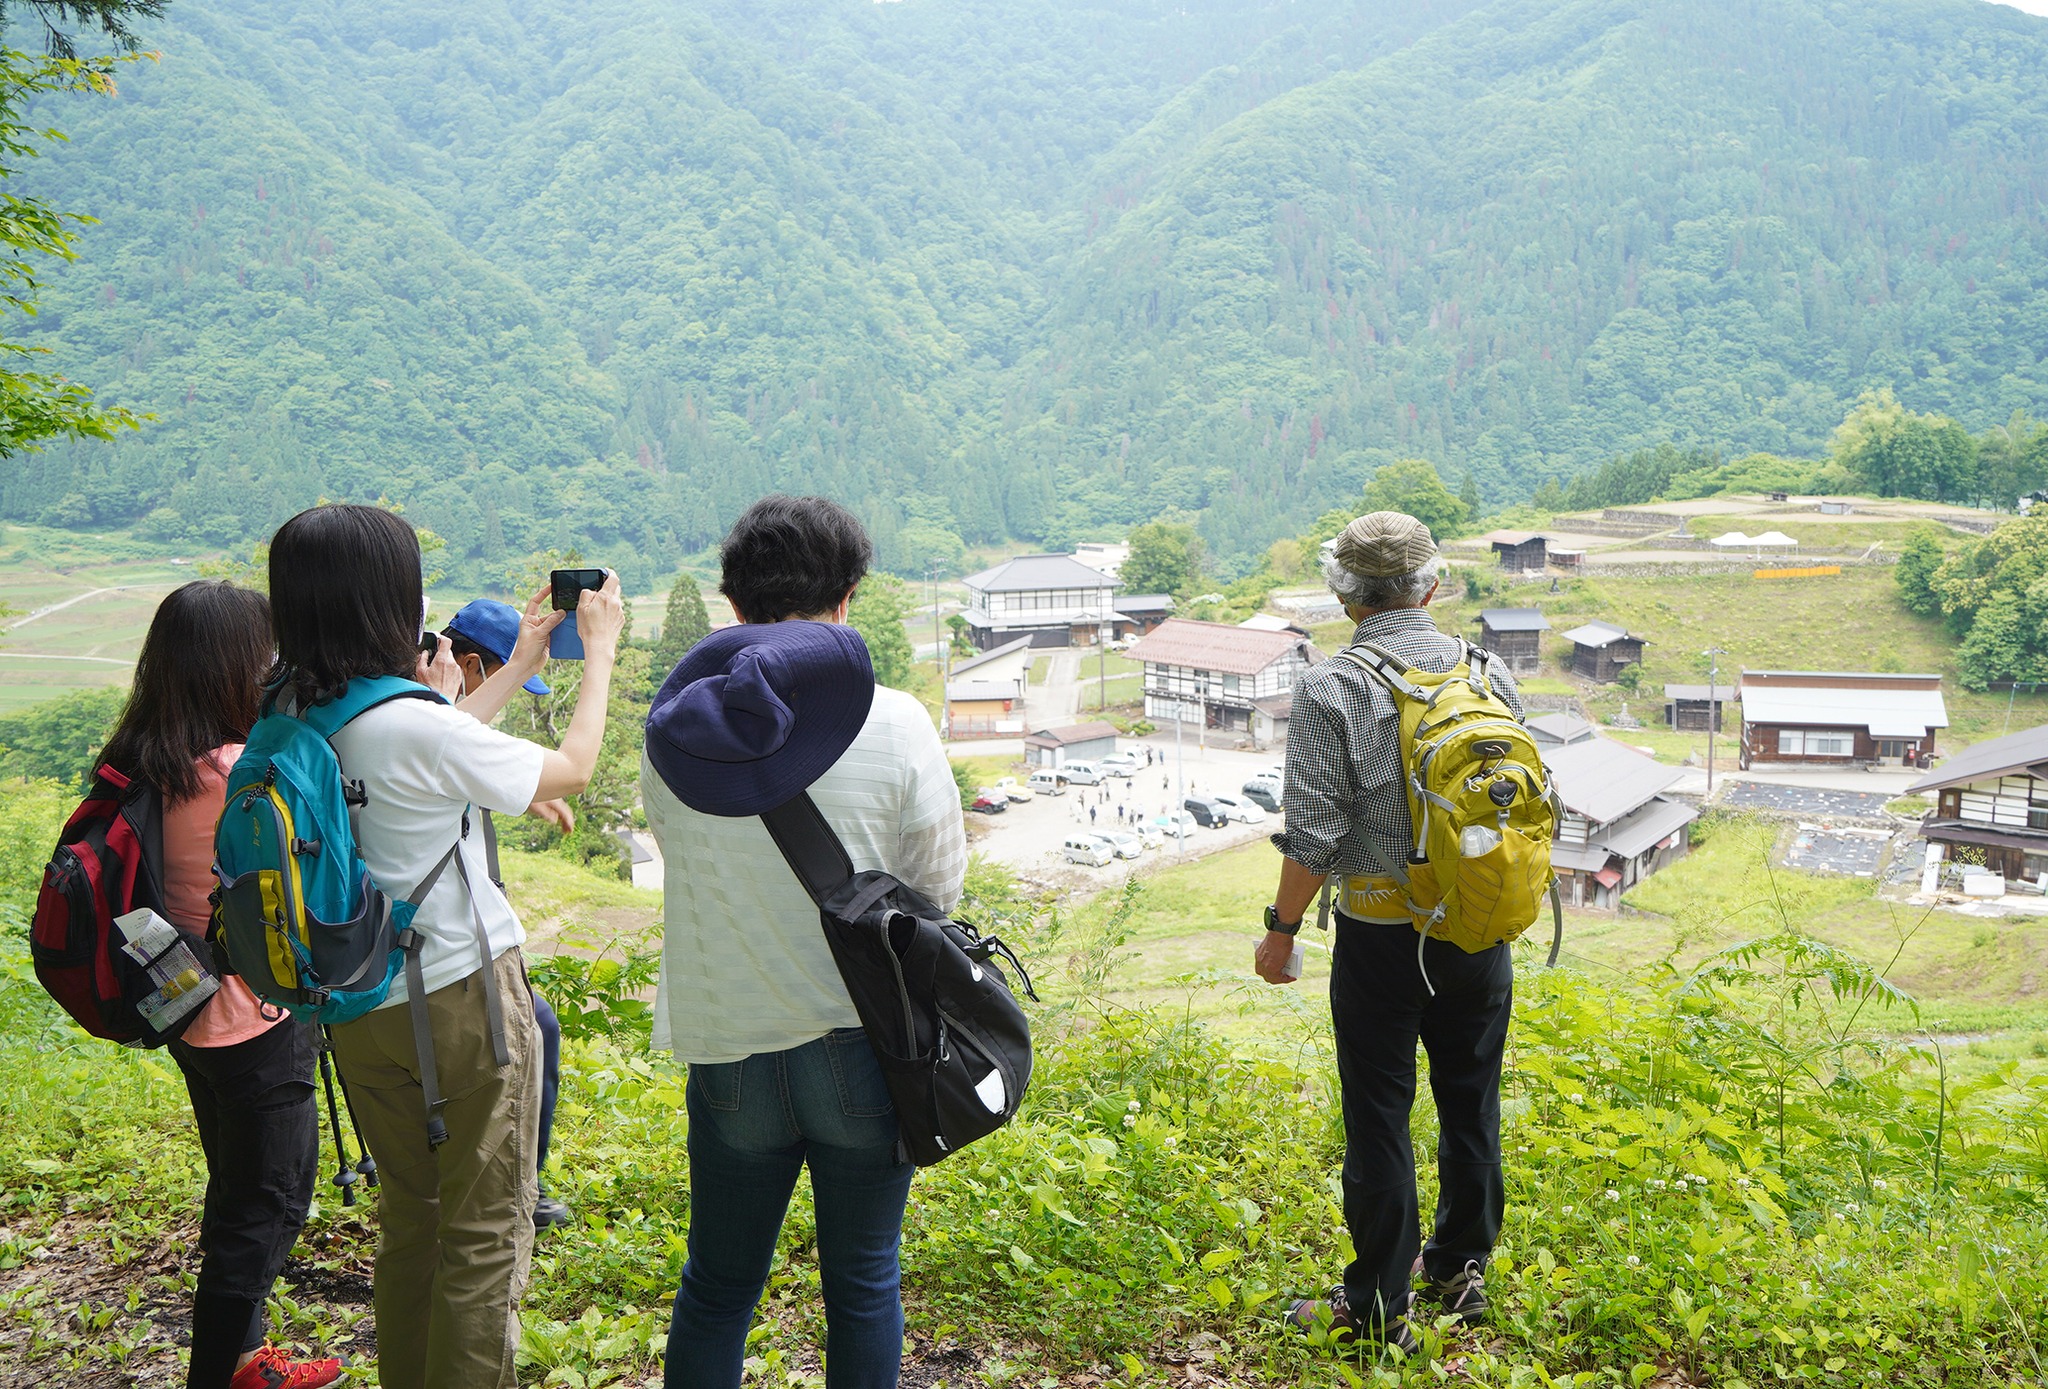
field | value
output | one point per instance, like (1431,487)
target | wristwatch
(1274,923)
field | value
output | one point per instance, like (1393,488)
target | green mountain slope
(599,273)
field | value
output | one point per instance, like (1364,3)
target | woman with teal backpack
(455,1210)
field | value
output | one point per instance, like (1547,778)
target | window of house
(1230,684)
(1951,805)
(1892,747)
(1815,742)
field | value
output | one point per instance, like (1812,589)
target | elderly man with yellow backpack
(1417,803)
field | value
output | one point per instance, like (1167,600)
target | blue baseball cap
(494,627)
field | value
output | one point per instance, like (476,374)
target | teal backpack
(296,912)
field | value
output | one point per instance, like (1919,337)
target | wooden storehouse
(1601,649)
(1991,806)
(1521,552)
(1695,708)
(1514,635)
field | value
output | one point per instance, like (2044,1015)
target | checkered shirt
(1344,750)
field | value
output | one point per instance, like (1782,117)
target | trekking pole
(345,1175)
(366,1166)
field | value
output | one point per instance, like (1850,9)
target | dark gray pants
(1381,1009)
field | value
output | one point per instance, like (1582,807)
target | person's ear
(845,605)
(472,671)
(1432,590)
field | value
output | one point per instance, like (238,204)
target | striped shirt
(744,964)
(1344,779)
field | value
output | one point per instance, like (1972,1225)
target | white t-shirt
(422,764)
(744,964)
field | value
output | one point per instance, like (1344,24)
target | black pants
(253,1103)
(1381,1008)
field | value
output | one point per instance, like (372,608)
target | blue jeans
(550,1073)
(753,1126)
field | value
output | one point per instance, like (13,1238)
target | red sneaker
(273,1369)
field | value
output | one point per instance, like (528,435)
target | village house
(1839,716)
(985,694)
(1107,557)
(1601,649)
(1520,552)
(1557,730)
(1216,675)
(1082,742)
(1991,806)
(1616,829)
(1139,613)
(1055,600)
(1515,635)
(1691,708)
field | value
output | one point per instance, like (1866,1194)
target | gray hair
(1380,591)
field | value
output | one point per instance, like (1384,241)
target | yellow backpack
(1481,801)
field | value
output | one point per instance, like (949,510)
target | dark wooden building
(1693,708)
(1991,806)
(1840,716)
(1515,635)
(1601,649)
(1521,552)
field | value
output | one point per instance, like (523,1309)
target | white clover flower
(1170,1141)
(1656,1183)
(1564,1210)
(1134,1106)
(1877,1182)
(1577,1098)
(1633,1261)
(1742,1181)
(1612,1194)
(1130,1121)
(1851,1207)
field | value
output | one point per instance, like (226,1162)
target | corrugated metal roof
(968,691)
(1602,780)
(1596,634)
(1646,826)
(1579,858)
(1886,713)
(1144,603)
(1217,646)
(992,654)
(2016,752)
(1514,619)
(1565,728)
(1723,693)
(1028,573)
(1078,733)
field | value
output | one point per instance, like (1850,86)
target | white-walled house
(1218,675)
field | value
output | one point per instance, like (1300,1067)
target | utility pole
(1180,794)
(1712,654)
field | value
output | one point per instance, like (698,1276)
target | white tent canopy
(1730,540)
(1769,540)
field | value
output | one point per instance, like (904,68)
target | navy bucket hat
(757,712)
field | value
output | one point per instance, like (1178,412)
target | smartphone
(567,584)
(430,644)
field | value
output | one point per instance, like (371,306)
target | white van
(1083,773)
(1046,783)
(1087,849)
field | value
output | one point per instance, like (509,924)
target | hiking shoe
(1333,1315)
(273,1369)
(1463,1294)
(549,1212)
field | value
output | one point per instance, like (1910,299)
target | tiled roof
(1028,573)
(1597,634)
(1602,780)
(1514,619)
(1217,646)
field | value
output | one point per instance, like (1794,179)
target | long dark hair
(345,596)
(198,684)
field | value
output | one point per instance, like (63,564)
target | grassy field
(110,586)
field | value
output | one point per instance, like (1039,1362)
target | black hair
(198,685)
(792,557)
(460,646)
(346,599)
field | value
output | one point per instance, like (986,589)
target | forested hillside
(594,274)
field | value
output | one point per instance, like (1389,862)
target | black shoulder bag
(953,1042)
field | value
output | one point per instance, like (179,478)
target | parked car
(1124,842)
(1089,850)
(1047,783)
(1014,789)
(1083,773)
(990,801)
(1276,774)
(1263,792)
(1150,835)
(1175,826)
(1119,764)
(1240,809)
(1208,814)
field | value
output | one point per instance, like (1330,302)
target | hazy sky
(2039,7)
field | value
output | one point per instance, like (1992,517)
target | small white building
(1617,829)
(1217,675)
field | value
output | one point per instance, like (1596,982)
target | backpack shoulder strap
(810,844)
(1384,667)
(361,696)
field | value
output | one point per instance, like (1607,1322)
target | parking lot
(1028,836)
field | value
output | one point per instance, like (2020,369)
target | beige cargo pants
(455,1225)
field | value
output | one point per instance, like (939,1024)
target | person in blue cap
(782,1076)
(480,637)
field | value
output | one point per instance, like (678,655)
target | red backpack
(109,861)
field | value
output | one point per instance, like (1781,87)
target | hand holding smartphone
(565,587)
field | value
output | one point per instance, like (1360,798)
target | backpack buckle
(353,793)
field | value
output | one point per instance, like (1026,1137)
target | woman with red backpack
(248,1068)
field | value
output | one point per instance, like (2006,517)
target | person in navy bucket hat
(782,1076)
(757,712)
